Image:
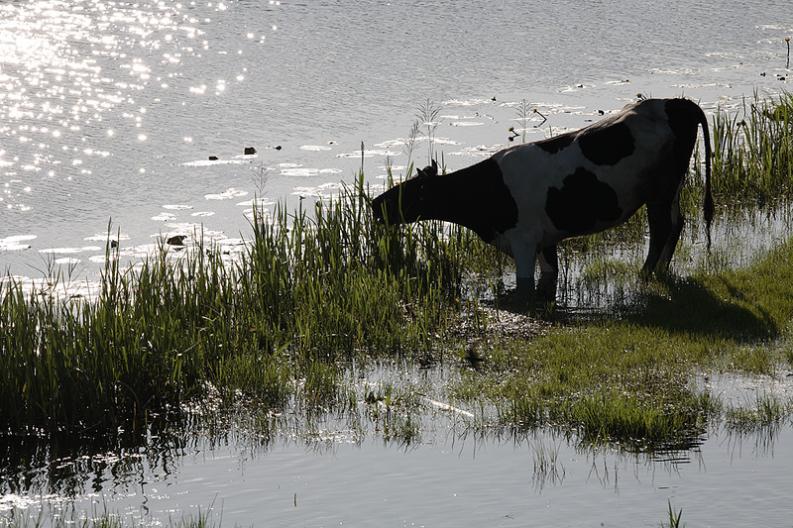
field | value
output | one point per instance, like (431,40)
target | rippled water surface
(448,478)
(113,109)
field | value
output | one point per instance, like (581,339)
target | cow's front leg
(525,255)
(549,273)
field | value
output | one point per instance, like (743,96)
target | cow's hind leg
(666,224)
(549,273)
(660,221)
(674,236)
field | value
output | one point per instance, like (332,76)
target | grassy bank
(630,378)
(320,291)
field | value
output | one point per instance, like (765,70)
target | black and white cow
(527,198)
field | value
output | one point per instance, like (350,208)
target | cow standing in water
(527,198)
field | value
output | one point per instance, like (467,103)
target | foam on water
(16,242)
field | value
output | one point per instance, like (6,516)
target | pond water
(111,110)
(421,464)
(448,478)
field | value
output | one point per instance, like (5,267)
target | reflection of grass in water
(71,519)
(546,466)
(767,414)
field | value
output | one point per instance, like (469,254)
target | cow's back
(593,178)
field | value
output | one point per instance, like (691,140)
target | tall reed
(329,288)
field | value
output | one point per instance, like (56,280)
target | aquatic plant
(753,154)
(308,295)
(427,115)
(673,519)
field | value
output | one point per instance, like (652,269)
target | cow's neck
(474,197)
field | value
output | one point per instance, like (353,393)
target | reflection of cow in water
(527,198)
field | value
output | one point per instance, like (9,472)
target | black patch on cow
(475,197)
(481,200)
(607,145)
(582,203)
(555,144)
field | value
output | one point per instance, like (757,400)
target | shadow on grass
(690,306)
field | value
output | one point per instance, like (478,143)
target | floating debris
(446,407)
(228,194)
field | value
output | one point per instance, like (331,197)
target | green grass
(629,379)
(673,519)
(310,296)
(768,413)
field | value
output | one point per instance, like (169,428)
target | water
(361,469)
(448,479)
(112,110)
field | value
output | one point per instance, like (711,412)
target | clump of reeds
(311,294)
(673,518)
(753,154)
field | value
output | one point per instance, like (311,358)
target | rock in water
(176,240)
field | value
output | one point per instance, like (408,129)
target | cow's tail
(707,208)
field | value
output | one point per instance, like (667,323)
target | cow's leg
(677,222)
(666,224)
(549,273)
(660,221)
(525,257)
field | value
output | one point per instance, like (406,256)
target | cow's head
(409,201)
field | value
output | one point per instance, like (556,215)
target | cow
(527,198)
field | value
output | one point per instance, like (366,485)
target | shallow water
(450,478)
(112,110)
(445,469)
